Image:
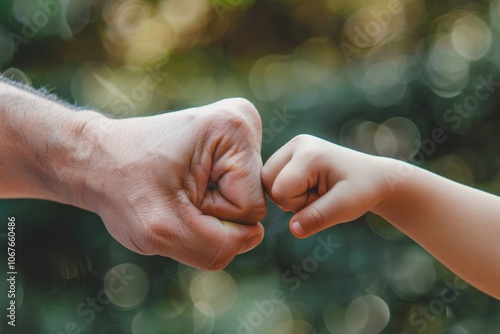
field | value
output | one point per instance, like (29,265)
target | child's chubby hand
(323,183)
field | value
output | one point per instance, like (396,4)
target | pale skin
(185,185)
(325,184)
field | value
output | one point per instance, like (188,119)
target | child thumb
(342,203)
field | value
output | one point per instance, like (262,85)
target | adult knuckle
(230,119)
(246,109)
(243,104)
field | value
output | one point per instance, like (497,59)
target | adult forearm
(44,146)
(457,224)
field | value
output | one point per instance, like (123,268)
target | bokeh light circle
(213,292)
(294,327)
(397,137)
(367,314)
(93,84)
(471,37)
(446,68)
(146,322)
(413,274)
(16,74)
(126,285)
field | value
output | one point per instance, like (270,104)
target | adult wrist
(69,154)
(44,146)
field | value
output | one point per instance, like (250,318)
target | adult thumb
(212,243)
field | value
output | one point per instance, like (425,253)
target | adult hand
(185,184)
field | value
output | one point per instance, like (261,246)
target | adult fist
(184,184)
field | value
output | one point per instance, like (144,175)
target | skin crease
(147,177)
(326,184)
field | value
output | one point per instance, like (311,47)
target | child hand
(326,184)
(323,183)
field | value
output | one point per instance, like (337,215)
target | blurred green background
(376,76)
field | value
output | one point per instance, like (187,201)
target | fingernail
(297,229)
(251,243)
